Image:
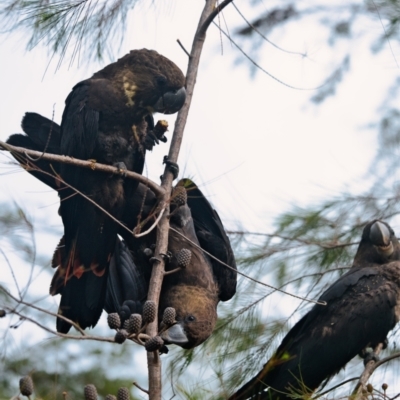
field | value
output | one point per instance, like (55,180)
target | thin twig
(183,47)
(139,387)
(12,272)
(20,301)
(137,235)
(336,386)
(62,335)
(172,271)
(264,37)
(48,140)
(387,36)
(77,192)
(326,246)
(321,303)
(264,70)
(85,335)
(385,360)
(33,240)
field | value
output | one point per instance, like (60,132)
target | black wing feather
(213,239)
(79,124)
(125,281)
(43,134)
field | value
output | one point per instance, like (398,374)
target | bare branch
(139,387)
(99,167)
(12,272)
(322,303)
(385,360)
(265,71)
(62,335)
(183,47)
(153,360)
(335,387)
(326,246)
(264,37)
(20,301)
(84,164)
(210,18)
(368,371)
(137,235)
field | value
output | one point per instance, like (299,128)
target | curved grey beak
(175,335)
(380,236)
(171,102)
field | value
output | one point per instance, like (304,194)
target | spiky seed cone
(183,258)
(114,321)
(123,394)
(370,388)
(110,397)
(384,386)
(134,323)
(153,344)
(26,386)
(169,316)
(90,392)
(121,336)
(2,313)
(179,196)
(149,311)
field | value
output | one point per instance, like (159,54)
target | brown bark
(359,392)
(80,163)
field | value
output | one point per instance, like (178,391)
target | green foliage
(79,28)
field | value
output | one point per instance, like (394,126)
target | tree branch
(210,18)
(368,371)
(81,163)
(326,245)
(63,335)
(83,336)
(321,303)
(153,362)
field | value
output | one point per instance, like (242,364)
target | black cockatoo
(195,290)
(108,119)
(362,308)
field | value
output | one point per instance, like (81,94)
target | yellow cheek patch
(130,90)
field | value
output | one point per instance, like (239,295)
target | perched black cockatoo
(200,282)
(362,307)
(107,119)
